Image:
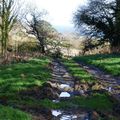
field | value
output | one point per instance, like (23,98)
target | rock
(77,87)
(66,89)
(50,93)
(82,92)
(97,86)
(95,116)
(66,75)
(85,87)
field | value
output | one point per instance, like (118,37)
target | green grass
(7,113)
(21,76)
(109,62)
(78,72)
(91,102)
(18,77)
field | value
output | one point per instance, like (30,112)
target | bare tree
(9,12)
(40,28)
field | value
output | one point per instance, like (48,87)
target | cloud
(60,11)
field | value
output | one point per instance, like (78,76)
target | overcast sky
(60,11)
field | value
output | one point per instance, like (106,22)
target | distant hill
(63,29)
(18,35)
(68,35)
(73,38)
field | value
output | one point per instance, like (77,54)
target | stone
(77,87)
(85,87)
(66,89)
(66,75)
(50,93)
(97,86)
(95,115)
(82,92)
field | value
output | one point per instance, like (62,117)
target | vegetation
(77,71)
(7,113)
(108,62)
(101,20)
(40,28)
(23,78)
(9,11)
(90,102)
(18,77)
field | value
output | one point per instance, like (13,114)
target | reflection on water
(56,101)
(70,115)
(62,86)
(56,112)
(64,95)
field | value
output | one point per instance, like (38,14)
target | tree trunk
(42,45)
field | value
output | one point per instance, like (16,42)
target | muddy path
(64,82)
(66,85)
(112,83)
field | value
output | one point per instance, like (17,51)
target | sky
(60,12)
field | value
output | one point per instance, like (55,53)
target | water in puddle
(56,101)
(67,115)
(56,113)
(62,86)
(64,95)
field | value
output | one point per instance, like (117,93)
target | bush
(28,46)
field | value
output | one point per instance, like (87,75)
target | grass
(18,77)
(21,76)
(78,72)
(7,113)
(109,62)
(90,102)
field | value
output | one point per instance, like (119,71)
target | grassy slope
(22,76)
(77,71)
(7,113)
(109,63)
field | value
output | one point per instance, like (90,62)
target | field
(109,63)
(31,75)
(18,77)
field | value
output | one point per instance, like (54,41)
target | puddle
(56,113)
(56,101)
(62,86)
(70,115)
(64,95)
